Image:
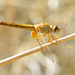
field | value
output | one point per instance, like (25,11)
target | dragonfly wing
(60,24)
(47,52)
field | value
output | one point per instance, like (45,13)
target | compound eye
(57,29)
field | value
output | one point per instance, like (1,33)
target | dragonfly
(44,28)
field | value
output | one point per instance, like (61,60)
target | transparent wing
(60,24)
(47,52)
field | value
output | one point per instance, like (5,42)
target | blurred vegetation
(13,41)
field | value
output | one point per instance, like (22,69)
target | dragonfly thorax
(43,28)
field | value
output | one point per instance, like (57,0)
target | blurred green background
(14,41)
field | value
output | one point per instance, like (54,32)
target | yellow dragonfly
(43,27)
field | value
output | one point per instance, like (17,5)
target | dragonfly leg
(38,42)
(52,37)
(49,50)
(62,40)
(65,43)
(38,37)
(49,38)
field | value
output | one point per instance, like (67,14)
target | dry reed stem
(36,49)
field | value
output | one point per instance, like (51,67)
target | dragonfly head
(56,29)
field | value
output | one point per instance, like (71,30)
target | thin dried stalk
(36,49)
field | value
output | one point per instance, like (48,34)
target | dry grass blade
(36,49)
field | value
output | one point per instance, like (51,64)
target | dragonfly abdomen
(21,26)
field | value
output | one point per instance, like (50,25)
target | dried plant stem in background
(36,49)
